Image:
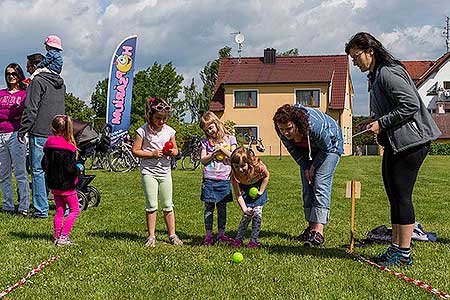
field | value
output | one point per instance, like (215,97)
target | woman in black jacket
(404,128)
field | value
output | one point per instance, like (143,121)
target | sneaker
(252,245)
(384,256)
(396,259)
(150,242)
(223,239)
(175,240)
(303,237)
(208,240)
(22,213)
(234,243)
(63,241)
(314,239)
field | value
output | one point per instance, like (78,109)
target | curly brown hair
(288,113)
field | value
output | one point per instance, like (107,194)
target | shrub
(440,149)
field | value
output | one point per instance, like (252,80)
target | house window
(246,98)
(447,85)
(308,97)
(242,132)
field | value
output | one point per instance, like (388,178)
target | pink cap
(53,41)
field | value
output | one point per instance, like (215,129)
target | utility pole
(447,33)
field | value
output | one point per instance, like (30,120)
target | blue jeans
(39,193)
(317,197)
(13,157)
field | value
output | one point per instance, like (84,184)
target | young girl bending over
(249,177)
(216,187)
(59,164)
(151,144)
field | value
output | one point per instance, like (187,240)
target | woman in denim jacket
(404,128)
(314,140)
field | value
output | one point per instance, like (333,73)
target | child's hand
(157,153)
(218,148)
(248,212)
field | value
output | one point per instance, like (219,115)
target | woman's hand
(374,127)
(309,174)
(363,125)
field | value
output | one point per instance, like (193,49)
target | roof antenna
(239,39)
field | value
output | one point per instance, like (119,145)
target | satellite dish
(239,38)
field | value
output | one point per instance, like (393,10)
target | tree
(157,81)
(291,52)
(209,74)
(78,109)
(362,139)
(195,102)
(98,98)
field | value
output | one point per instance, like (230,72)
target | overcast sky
(189,33)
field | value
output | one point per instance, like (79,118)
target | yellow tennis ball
(237,257)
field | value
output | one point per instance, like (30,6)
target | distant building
(432,79)
(249,91)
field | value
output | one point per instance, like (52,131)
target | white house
(432,79)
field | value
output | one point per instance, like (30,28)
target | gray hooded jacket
(396,104)
(45,99)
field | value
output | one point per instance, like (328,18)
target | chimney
(270,55)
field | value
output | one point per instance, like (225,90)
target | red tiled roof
(331,69)
(443,122)
(417,68)
(420,70)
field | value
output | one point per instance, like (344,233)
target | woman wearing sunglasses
(13,153)
(404,128)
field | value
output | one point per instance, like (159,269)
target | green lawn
(110,261)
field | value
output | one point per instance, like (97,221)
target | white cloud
(189,33)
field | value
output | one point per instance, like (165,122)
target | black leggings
(399,176)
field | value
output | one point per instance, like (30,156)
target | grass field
(110,262)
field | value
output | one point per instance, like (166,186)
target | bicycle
(121,158)
(253,140)
(191,154)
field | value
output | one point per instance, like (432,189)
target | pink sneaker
(252,245)
(223,239)
(235,243)
(209,240)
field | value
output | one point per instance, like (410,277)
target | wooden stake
(353,191)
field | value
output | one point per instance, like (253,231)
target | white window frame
(307,89)
(246,90)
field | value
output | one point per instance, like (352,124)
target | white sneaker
(150,242)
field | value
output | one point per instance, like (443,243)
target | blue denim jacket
(324,136)
(53,61)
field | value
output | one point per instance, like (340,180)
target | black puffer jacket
(59,164)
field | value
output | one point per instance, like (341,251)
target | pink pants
(63,227)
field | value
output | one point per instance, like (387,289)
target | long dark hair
(19,73)
(297,116)
(365,41)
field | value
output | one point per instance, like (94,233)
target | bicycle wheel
(82,200)
(93,196)
(119,161)
(190,162)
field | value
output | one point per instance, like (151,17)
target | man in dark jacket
(45,100)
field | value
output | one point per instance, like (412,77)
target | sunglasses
(161,107)
(12,74)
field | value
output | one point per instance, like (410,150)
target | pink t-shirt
(11,109)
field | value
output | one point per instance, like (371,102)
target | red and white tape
(416,282)
(31,273)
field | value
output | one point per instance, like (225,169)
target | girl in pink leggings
(59,164)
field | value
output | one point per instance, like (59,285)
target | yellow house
(249,90)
